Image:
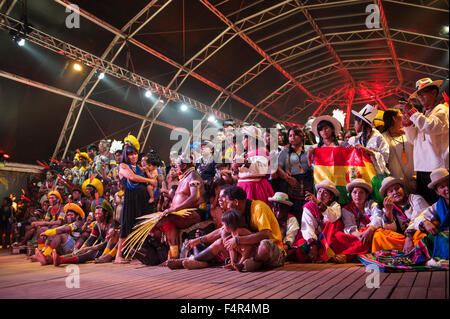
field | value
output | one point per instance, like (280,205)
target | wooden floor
(19,278)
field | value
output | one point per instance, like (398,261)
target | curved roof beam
(429,4)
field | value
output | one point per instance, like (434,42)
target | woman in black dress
(135,198)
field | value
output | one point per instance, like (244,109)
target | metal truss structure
(325,59)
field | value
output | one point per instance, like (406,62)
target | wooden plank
(404,286)
(332,292)
(299,276)
(321,288)
(359,289)
(420,286)
(387,287)
(436,290)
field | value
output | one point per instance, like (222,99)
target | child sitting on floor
(234,225)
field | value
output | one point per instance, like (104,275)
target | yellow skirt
(388,239)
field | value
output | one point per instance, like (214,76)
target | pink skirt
(261,190)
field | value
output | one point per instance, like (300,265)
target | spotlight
(212,119)
(77,67)
(21,42)
(183,107)
(444,30)
(148,93)
(101,75)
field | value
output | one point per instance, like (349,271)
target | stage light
(212,119)
(21,42)
(77,67)
(148,93)
(184,107)
(101,75)
(445,30)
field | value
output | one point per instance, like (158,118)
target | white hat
(252,131)
(423,83)
(332,120)
(359,182)
(282,198)
(328,185)
(367,114)
(388,182)
(437,176)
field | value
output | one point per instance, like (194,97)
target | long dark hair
(233,219)
(127,150)
(367,129)
(299,132)
(320,126)
(388,118)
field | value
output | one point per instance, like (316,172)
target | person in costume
(93,189)
(295,174)
(319,216)
(50,184)
(401,157)
(95,245)
(370,140)
(326,128)
(135,202)
(252,173)
(54,217)
(360,219)
(434,221)
(399,231)
(190,193)
(63,237)
(428,131)
(281,207)
(82,172)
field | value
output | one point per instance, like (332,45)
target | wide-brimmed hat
(359,182)
(388,182)
(328,185)
(337,126)
(424,83)
(437,176)
(57,194)
(252,131)
(94,183)
(367,114)
(74,207)
(282,198)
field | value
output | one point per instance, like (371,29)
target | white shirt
(310,223)
(380,148)
(429,134)
(289,232)
(371,210)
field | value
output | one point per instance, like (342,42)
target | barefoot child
(234,225)
(150,169)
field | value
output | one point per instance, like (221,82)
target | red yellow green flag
(341,165)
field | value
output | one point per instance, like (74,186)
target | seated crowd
(246,213)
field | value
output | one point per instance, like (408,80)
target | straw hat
(388,182)
(337,126)
(94,183)
(424,83)
(358,182)
(74,207)
(328,185)
(367,114)
(282,198)
(437,176)
(57,194)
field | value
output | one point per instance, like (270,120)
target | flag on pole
(341,165)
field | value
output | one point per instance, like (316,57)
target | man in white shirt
(428,131)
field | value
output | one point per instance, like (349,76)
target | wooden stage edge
(22,279)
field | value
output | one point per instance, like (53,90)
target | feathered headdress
(116,146)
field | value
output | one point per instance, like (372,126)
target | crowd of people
(262,214)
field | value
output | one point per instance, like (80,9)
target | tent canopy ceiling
(287,59)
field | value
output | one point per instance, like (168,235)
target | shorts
(68,245)
(276,254)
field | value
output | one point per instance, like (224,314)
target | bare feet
(56,260)
(194,264)
(175,263)
(121,260)
(103,259)
(340,259)
(44,260)
(229,267)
